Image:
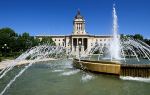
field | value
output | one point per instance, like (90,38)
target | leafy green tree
(35,41)
(24,41)
(15,42)
(7,36)
(47,40)
(147,41)
(138,36)
(26,35)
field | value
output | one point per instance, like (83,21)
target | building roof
(78,15)
(97,36)
(51,35)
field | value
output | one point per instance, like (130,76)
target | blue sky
(55,16)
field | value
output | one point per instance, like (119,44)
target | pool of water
(59,77)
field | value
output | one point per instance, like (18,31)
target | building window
(104,39)
(59,39)
(91,44)
(55,39)
(63,39)
(100,39)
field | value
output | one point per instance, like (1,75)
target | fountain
(113,60)
(120,48)
(118,56)
(33,55)
(115,43)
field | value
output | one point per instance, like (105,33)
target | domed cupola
(79,24)
(78,16)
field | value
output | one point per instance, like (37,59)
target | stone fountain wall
(98,66)
(135,70)
(108,67)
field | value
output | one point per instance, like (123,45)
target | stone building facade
(79,40)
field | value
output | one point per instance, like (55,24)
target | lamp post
(79,50)
(5,47)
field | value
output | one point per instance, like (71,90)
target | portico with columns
(79,44)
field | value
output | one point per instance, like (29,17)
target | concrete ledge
(98,66)
(134,70)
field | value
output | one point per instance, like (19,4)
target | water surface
(60,78)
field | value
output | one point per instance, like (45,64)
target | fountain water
(118,49)
(37,53)
(121,48)
(115,43)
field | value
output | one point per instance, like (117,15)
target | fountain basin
(98,66)
(114,67)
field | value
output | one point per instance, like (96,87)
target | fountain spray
(115,44)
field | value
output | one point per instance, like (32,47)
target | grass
(5,58)
(9,56)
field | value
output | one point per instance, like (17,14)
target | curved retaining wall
(134,70)
(98,66)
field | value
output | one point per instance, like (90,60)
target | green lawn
(10,56)
(4,58)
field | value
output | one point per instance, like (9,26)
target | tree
(147,41)
(7,36)
(26,35)
(17,43)
(47,40)
(138,36)
(35,41)
(25,41)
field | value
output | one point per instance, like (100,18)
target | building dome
(78,16)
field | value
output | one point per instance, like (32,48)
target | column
(83,27)
(77,27)
(80,26)
(77,41)
(82,42)
(74,27)
(82,46)
(72,46)
(77,49)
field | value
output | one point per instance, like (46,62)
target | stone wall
(108,67)
(135,70)
(98,66)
